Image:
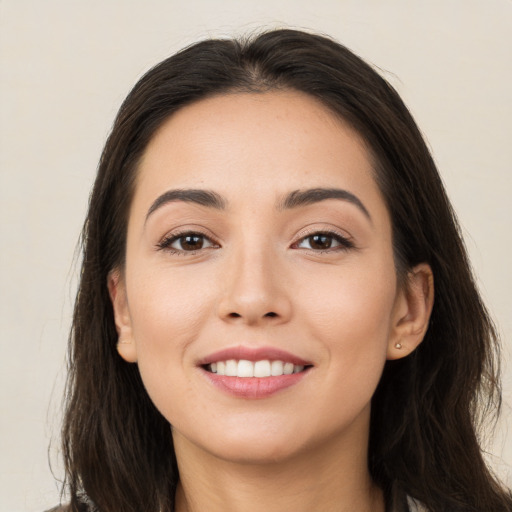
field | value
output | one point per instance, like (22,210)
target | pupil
(192,242)
(321,241)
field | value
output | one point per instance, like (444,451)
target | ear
(412,312)
(117,290)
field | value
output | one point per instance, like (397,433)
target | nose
(255,290)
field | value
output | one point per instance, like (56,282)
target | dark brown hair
(424,440)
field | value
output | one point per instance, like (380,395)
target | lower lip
(254,387)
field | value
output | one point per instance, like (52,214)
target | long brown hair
(428,406)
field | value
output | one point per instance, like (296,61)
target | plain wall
(65,68)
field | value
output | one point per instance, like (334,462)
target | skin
(258,280)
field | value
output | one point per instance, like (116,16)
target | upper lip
(253,354)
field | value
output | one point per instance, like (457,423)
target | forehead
(258,145)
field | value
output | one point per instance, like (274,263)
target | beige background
(66,66)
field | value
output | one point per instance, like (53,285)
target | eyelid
(164,244)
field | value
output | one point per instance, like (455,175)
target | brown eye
(190,242)
(186,242)
(324,242)
(320,241)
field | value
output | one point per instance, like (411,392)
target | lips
(254,372)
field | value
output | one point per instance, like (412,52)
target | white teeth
(276,368)
(263,368)
(245,368)
(288,368)
(221,368)
(231,368)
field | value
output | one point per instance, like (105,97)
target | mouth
(254,373)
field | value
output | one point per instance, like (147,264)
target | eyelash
(344,243)
(166,243)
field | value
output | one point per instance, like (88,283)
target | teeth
(276,368)
(231,368)
(263,368)
(245,369)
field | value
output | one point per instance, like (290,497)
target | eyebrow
(198,196)
(299,198)
(294,199)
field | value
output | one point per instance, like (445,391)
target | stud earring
(398,346)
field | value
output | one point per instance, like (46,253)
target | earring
(398,346)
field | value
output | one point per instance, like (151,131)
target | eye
(324,241)
(186,242)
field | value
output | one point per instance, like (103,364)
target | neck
(333,477)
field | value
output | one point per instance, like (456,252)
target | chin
(256,453)
(262,444)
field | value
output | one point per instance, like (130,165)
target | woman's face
(258,234)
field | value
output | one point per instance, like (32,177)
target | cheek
(351,315)
(167,315)
(354,303)
(168,303)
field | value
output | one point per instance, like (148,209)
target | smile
(254,373)
(260,369)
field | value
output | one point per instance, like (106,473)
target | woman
(256,326)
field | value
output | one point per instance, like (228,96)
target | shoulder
(62,508)
(415,506)
(82,507)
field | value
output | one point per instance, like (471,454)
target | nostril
(234,314)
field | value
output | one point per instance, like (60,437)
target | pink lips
(253,387)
